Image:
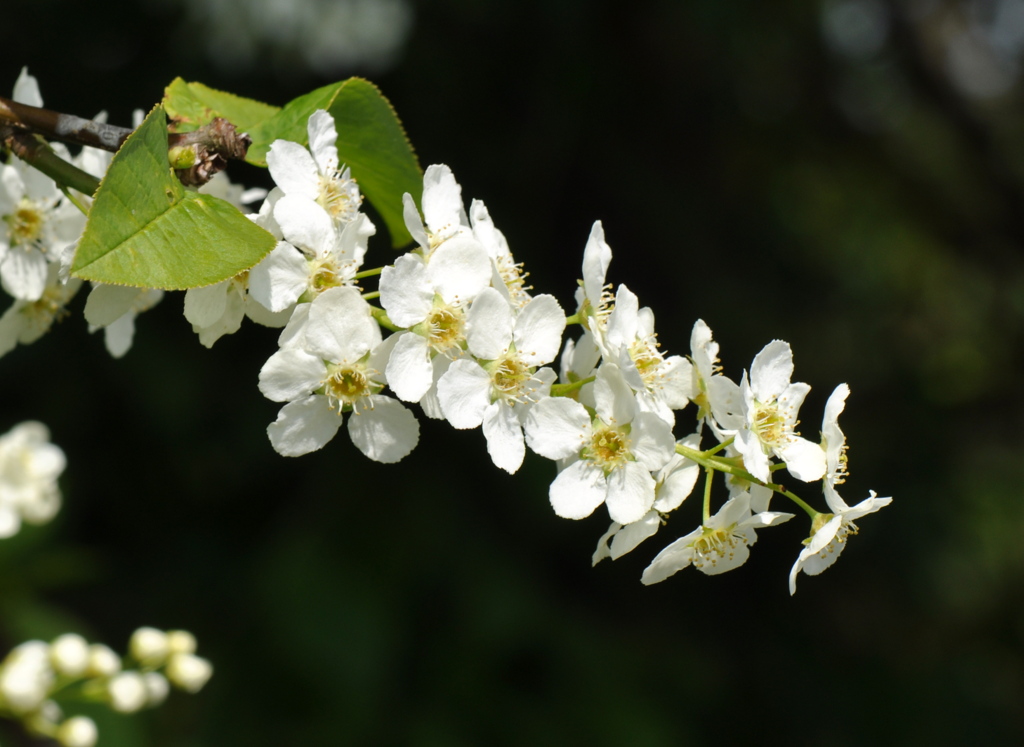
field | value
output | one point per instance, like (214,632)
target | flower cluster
(36,675)
(456,330)
(29,468)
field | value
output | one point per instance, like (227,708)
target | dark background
(847,176)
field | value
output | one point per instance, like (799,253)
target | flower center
(846,529)
(515,280)
(609,447)
(771,424)
(339,196)
(26,223)
(648,360)
(345,385)
(324,273)
(716,544)
(445,326)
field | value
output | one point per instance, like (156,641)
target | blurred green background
(845,175)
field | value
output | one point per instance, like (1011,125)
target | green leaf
(371,142)
(191,105)
(145,229)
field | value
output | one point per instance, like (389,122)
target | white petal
(622,322)
(413,221)
(615,402)
(322,136)
(306,225)
(557,427)
(108,303)
(229,323)
(504,437)
(409,371)
(405,291)
(489,325)
(118,335)
(341,328)
(630,536)
(303,426)
(290,373)
(204,306)
(805,460)
(596,257)
(442,199)
(464,393)
(630,493)
(278,281)
(459,269)
(672,559)
(771,370)
(23,274)
(26,89)
(651,441)
(293,169)
(578,490)
(539,328)
(386,432)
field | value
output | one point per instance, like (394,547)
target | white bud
(149,645)
(69,655)
(181,642)
(189,672)
(127,692)
(156,688)
(103,662)
(26,677)
(77,731)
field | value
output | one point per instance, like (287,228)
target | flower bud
(181,642)
(26,677)
(69,655)
(103,662)
(77,731)
(127,692)
(149,645)
(189,672)
(156,688)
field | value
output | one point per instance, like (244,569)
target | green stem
(708,474)
(382,319)
(368,274)
(796,499)
(371,295)
(574,319)
(35,152)
(564,390)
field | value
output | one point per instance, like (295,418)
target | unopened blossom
(495,386)
(26,677)
(24,322)
(29,468)
(113,309)
(77,731)
(610,454)
(335,369)
(770,408)
(719,545)
(662,384)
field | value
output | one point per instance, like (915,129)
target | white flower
(673,483)
(830,532)
(36,222)
(770,407)
(26,321)
(496,386)
(508,276)
(611,456)
(69,655)
(29,468)
(719,545)
(113,309)
(149,646)
(662,384)
(717,396)
(314,175)
(429,297)
(593,298)
(444,216)
(336,368)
